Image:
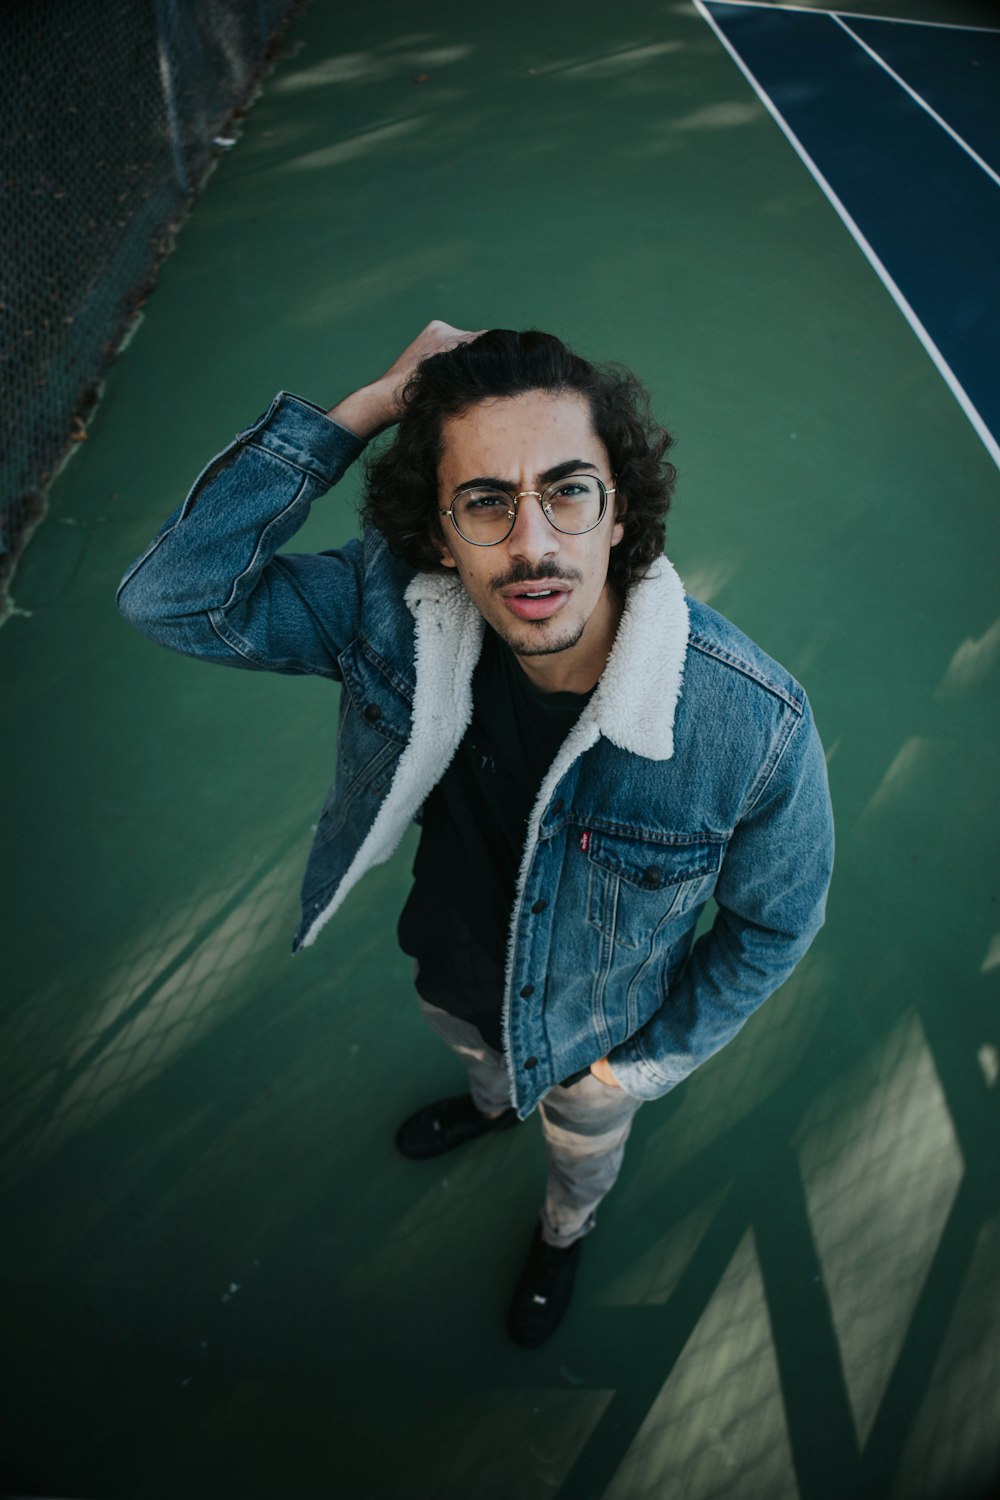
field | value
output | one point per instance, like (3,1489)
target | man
(591,754)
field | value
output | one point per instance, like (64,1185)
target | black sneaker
(543,1292)
(448,1123)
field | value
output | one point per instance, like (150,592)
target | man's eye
(485,502)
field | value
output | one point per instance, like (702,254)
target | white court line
(917,98)
(859,15)
(947,374)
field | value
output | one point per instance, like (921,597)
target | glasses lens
(575,504)
(482,516)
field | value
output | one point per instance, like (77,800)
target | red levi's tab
(585,840)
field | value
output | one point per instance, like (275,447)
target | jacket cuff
(636,1075)
(300,432)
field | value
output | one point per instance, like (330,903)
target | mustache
(524,573)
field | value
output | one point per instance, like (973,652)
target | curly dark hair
(401,495)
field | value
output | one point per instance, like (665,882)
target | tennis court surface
(217,1276)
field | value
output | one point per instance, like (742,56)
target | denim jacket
(695,769)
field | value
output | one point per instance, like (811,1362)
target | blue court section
(956,70)
(929,211)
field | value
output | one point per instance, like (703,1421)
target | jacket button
(558,805)
(531,1062)
(373,713)
(539,905)
(651,876)
(527,991)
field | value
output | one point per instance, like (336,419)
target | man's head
(404,497)
(528,496)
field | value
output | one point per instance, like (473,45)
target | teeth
(544,594)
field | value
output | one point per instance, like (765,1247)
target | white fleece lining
(585,732)
(633,707)
(449,635)
(637,696)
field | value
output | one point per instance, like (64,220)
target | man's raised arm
(211,585)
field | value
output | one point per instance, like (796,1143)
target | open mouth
(536,603)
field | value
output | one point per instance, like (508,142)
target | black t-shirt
(456,919)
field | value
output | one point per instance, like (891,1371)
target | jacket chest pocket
(373,727)
(366,763)
(634,886)
(366,755)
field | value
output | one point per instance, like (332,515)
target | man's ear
(444,555)
(618,529)
(436,535)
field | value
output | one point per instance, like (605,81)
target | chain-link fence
(110,116)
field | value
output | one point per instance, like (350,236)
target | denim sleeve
(210,583)
(771,898)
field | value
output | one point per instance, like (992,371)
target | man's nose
(532,536)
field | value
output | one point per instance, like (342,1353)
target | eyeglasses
(486,516)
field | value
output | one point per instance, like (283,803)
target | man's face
(520,440)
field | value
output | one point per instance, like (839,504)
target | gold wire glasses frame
(485,508)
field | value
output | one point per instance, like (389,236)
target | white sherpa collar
(636,698)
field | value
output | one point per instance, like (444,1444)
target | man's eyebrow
(559,471)
(548,476)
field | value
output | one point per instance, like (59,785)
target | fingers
(460,335)
(601,1070)
(436,338)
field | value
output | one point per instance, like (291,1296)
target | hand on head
(375,407)
(436,338)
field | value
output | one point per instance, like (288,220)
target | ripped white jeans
(585,1128)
